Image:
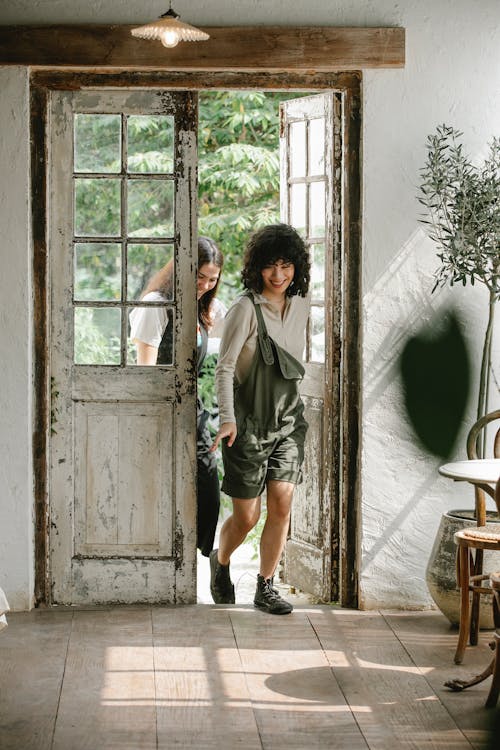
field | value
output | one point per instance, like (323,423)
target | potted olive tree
(462,202)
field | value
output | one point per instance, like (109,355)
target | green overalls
(270,420)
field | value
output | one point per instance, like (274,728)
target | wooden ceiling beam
(231,48)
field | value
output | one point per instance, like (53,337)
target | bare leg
(272,541)
(245,515)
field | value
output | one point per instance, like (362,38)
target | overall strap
(263,336)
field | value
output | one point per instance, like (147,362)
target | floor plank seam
(62,682)
(246,682)
(355,718)
(154,674)
(422,674)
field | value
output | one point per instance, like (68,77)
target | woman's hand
(226,430)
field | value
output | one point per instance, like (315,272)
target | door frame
(346,425)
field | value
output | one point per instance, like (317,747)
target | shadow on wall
(417,374)
(436,378)
(415,338)
(396,305)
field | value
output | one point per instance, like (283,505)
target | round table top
(480,470)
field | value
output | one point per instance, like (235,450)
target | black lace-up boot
(221,588)
(268,599)
(273,586)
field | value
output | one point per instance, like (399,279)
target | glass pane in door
(317,334)
(123,230)
(298,207)
(97,143)
(150,208)
(150,268)
(317,209)
(150,144)
(317,146)
(297,149)
(97,207)
(150,335)
(97,335)
(317,254)
(97,271)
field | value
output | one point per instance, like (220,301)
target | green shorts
(252,461)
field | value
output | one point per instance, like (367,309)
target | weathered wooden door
(122,454)
(310,137)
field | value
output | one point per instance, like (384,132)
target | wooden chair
(493,667)
(492,699)
(471,542)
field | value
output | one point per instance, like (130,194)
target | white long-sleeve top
(239,341)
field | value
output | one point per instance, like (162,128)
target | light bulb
(169,38)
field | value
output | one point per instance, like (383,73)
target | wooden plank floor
(142,678)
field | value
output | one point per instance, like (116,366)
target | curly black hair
(270,244)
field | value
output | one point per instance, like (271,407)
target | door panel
(310,136)
(123,479)
(122,488)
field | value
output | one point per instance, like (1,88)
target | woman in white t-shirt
(151,331)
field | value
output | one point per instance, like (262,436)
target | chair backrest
(473,439)
(475,435)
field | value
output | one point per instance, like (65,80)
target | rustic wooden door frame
(347,356)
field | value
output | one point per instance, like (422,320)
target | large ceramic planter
(441,569)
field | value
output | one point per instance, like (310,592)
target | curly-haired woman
(261,413)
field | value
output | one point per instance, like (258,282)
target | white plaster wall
(16,489)
(452,75)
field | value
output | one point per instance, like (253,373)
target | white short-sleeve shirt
(147,324)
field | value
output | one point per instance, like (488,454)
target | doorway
(264,158)
(328,561)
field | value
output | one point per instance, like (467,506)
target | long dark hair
(162,281)
(270,244)
(208,252)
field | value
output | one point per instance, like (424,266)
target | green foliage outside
(238,174)
(238,192)
(98,213)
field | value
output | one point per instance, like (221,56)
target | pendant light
(169,30)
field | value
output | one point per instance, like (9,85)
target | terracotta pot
(441,568)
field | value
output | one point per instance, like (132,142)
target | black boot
(273,586)
(268,599)
(221,588)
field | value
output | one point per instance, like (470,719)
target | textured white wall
(452,75)
(208,12)
(16,484)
